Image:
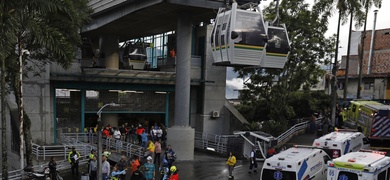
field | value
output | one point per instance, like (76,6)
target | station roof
(133,18)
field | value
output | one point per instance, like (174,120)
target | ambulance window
(382,175)
(347,175)
(366,140)
(326,159)
(279,175)
(353,108)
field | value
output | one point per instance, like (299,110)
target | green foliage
(307,103)
(274,128)
(49,29)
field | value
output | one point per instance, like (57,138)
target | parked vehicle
(366,165)
(296,163)
(341,142)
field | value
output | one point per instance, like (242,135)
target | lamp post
(99,151)
(21,117)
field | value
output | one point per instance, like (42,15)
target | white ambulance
(373,165)
(342,142)
(296,163)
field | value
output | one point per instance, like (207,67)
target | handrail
(61,165)
(297,127)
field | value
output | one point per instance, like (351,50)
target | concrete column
(183,69)
(181,136)
(109,47)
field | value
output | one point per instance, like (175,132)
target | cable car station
(156,61)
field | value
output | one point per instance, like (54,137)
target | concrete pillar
(181,136)
(109,47)
(183,69)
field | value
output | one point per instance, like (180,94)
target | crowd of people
(156,162)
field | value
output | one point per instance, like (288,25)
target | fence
(61,165)
(297,128)
(217,143)
(110,144)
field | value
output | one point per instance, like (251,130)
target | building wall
(214,94)
(380,67)
(38,103)
(372,88)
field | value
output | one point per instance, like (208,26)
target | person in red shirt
(172,52)
(271,152)
(106,133)
(139,131)
(174,173)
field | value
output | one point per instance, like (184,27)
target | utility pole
(100,146)
(363,37)
(21,118)
(348,53)
(334,78)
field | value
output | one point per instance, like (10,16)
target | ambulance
(341,142)
(296,163)
(362,165)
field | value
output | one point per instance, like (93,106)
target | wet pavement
(205,167)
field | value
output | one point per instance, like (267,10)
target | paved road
(206,167)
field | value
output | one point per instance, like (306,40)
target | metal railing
(109,144)
(217,143)
(295,129)
(61,165)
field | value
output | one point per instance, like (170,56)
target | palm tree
(345,8)
(50,31)
(367,4)
(6,11)
(354,11)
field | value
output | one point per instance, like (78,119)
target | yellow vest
(113,178)
(231,161)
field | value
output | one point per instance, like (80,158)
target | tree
(308,48)
(6,11)
(49,29)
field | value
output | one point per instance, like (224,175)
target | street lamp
(21,118)
(99,151)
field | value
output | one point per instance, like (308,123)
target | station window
(368,85)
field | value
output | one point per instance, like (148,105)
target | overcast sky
(382,22)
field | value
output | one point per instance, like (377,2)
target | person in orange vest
(172,52)
(134,164)
(231,162)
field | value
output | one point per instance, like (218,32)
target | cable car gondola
(238,37)
(278,47)
(241,38)
(134,55)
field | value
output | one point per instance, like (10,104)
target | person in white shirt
(159,133)
(117,134)
(105,168)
